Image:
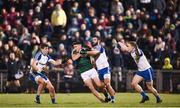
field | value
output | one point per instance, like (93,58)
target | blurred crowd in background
(154,24)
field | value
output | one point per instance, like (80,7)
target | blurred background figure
(13,67)
(58,20)
(167,75)
(167,63)
(68,77)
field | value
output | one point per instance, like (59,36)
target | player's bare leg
(18,85)
(7,86)
(102,87)
(90,85)
(138,88)
(41,85)
(51,89)
(111,91)
(153,91)
(97,82)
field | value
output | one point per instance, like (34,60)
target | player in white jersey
(38,64)
(145,71)
(102,66)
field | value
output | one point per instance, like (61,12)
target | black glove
(83,51)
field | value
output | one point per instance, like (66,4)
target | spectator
(167,64)
(48,10)
(38,13)
(58,19)
(2,64)
(167,85)
(130,3)
(47,29)
(160,45)
(62,52)
(18,53)
(171,42)
(117,60)
(160,5)
(29,20)
(116,8)
(145,4)
(12,16)
(68,77)
(73,27)
(74,10)
(3,37)
(13,67)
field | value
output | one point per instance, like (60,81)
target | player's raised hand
(123,47)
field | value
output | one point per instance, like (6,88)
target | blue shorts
(34,75)
(104,73)
(148,74)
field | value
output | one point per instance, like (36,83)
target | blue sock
(53,100)
(112,97)
(143,94)
(157,97)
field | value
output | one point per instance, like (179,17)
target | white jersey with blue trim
(140,60)
(102,60)
(42,59)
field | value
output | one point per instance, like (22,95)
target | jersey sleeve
(49,58)
(100,49)
(140,52)
(37,56)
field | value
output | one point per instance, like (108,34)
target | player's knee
(149,86)
(51,88)
(99,85)
(133,84)
(108,85)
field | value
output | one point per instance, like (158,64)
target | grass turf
(86,100)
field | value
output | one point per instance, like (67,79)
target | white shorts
(89,74)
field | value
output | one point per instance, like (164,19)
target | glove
(83,52)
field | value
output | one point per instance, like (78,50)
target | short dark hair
(98,37)
(42,46)
(76,42)
(133,43)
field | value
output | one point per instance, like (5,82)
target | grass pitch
(86,100)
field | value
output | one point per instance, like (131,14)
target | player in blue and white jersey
(102,66)
(36,74)
(145,71)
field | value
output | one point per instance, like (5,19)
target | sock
(112,97)
(106,94)
(19,89)
(38,98)
(143,94)
(7,89)
(53,100)
(157,98)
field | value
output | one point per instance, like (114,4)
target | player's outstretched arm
(57,62)
(93,52)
